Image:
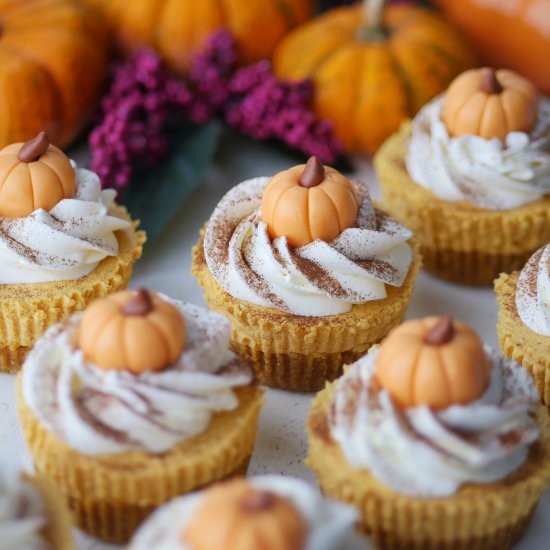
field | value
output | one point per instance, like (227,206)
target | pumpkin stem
(140,303)
(257,501)
(372,28)
(489,82)
(33,149)
(441,333)
(313,174)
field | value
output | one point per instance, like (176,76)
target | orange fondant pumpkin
(177,28)
(53,57)
(507,33)
(490,103)
(135,331)
(435,362)
(308,202)
(33,175)
(236,516)
(371,72)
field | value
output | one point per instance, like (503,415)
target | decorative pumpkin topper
(308,202)
(489,103)
(33,175)
(255,519)
(435,362)
(135,331)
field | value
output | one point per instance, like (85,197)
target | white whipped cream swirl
(97,411)
(486,172)
(330,523)
(316,279)
(65,243)
(533,292)
(421,452)
(22,515)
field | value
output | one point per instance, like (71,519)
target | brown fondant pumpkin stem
(33,149)
(490,84)
(313,174)
(257,501)
(441,333)
(372,29)
(140,303)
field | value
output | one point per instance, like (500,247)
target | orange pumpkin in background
(514,34)
(177,28)
(490,103)
(434,361)
(53,58)
(135,331)
(373,66)
(308,202)
(34,175)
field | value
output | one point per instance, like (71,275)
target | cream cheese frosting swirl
(97,411)
(533,292)
(65,243)
(317,279)
(330,524)
(486,172)
(421,452)
(22,516)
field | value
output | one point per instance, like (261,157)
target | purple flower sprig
(257,103)
(144,97)
(132,129)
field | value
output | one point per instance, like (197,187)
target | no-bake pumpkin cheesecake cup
(132,402)
(470,175)
(33,515)
(307,270)
(268,512)
(63,243)
(436,439)
(523,326)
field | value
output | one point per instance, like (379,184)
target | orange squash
(373,66)
(53,57)
(177,28)
(514,34)
(433,361)
(490,103)
(254,518)
(34,175)
(308,202)
(135,331)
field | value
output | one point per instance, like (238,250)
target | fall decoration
(433,361)
(489,103)
(178,29)
(53,57)
(135,331)
(507,34)
(33,175)
(143,96)
(236,516)
(308,202)
(372,66)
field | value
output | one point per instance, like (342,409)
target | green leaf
(156,194)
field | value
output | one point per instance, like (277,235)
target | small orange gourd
(136,331)
(489,103)
(34,175)
(178,28)
(372,66)
(308,202)
(434,361)
(53,64)
(254,518)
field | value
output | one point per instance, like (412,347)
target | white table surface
(165,266)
